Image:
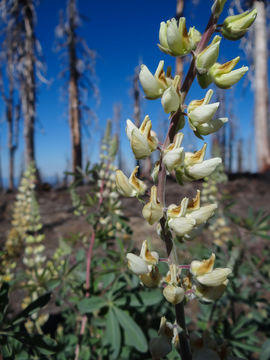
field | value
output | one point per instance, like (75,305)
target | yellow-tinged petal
(196,157)
(151,257)
(122,184)
(198,268)
(194,204)
(137,184)
(175,211)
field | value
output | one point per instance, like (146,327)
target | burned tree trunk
(74,103)
(28,83)
(261,88)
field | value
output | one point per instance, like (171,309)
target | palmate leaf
(91,304)
(113,335)
(133,334)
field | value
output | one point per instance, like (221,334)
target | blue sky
(122,32)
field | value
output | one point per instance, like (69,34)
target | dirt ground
(59,221)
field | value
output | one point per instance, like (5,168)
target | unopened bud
(170,100)
(217,7)
(208,56)
(235,27)
(153,210)
(174,294)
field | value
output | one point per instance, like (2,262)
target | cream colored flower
(129,187)
(154,85)
(143,141)
(174,155)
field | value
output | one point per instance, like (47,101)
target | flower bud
(235,27)
(174,294)
(153,210)
(136,264)
(174,155)
(153,85)
(208,57)
(170,100)
(223,76)
(194,36)
(217,7)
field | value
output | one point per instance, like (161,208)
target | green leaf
(265,351)
(53,283)
(3,300)
(133,334)
(113,335)
(43,343)
(91,304)
(146,298)
(240,323)
(246,347)
(32,308)
(247,332)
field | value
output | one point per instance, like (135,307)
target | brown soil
(59,221)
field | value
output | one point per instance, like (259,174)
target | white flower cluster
(204,282)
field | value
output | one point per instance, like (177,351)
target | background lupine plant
(200,279)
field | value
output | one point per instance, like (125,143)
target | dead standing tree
(80,71)
(256,48)
(22,19)
(8,88)
(261,88)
